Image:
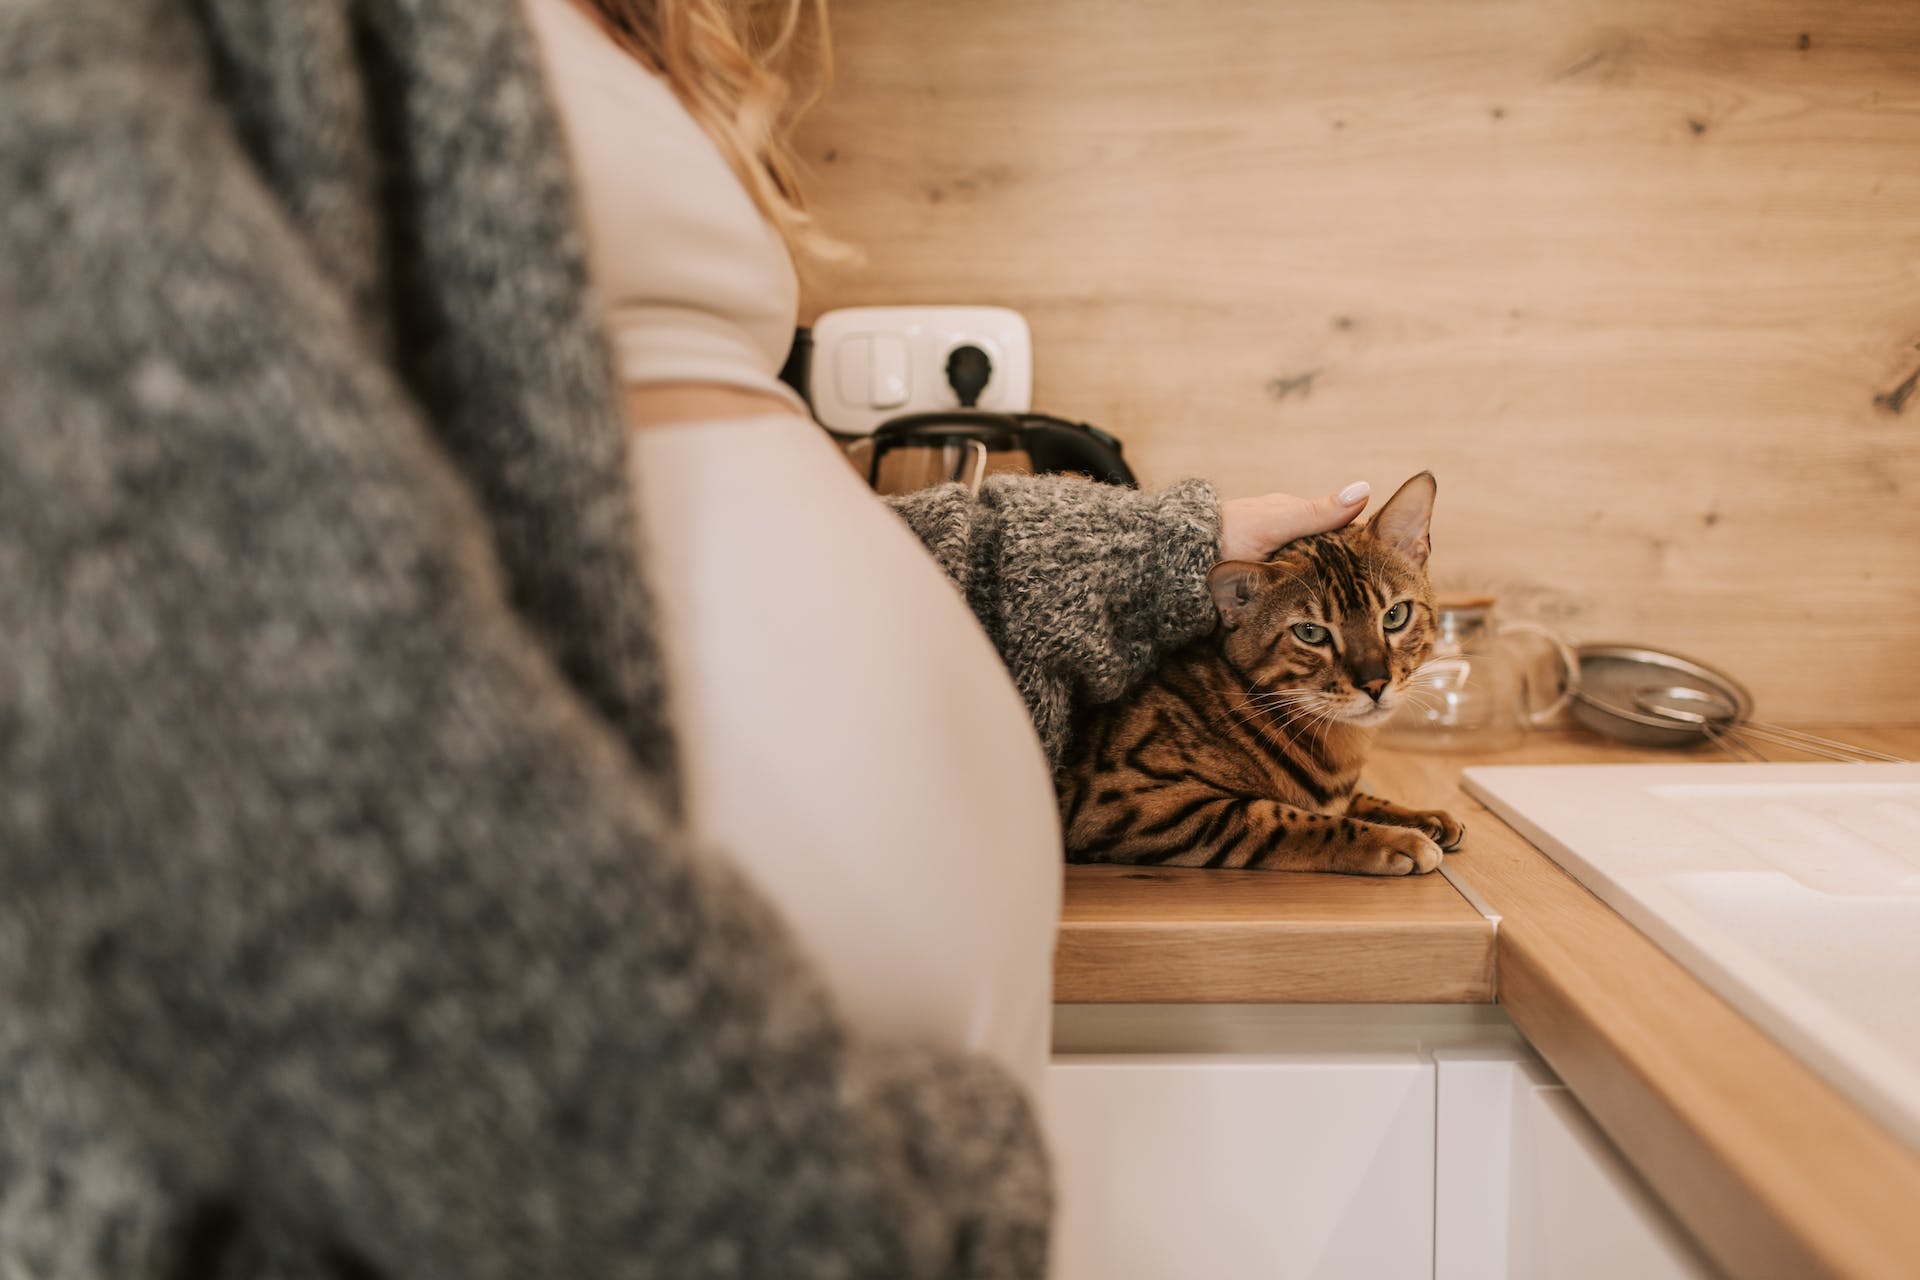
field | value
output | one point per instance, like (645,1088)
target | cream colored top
(695,285)
(848,734)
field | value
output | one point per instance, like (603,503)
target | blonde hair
(747,70)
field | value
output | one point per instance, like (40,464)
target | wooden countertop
(1774,1172)
(1176,935)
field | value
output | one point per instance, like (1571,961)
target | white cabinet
(1351,1143)
(1242,1167)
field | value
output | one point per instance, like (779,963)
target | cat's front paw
(1446,830)
(1392,851)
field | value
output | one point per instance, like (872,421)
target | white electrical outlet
(874,363)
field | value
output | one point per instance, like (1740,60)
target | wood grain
(1138,935)
(1636,279)
(1772,1170)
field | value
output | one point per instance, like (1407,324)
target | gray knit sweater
(346,928)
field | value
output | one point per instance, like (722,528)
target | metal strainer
(1659,699)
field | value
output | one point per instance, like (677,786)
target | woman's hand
(1255,528)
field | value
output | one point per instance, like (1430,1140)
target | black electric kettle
(919,449)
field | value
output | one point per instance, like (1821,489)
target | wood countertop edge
(1274,962)
(1677,1078)
(1182,935)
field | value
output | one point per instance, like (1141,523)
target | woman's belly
(850,737)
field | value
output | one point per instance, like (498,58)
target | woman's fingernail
(1355,492)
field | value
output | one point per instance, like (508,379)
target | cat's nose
(1375,688)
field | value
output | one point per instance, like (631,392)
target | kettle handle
(1055,444)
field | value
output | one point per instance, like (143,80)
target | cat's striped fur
(1244,748)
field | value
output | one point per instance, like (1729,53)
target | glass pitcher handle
(971,470)
(1569,663)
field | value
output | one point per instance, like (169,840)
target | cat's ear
(1233,585)
(1404,521)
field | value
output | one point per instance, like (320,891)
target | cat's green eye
(1397,617)
(1310,632)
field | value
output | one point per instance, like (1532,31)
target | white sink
(1792,890)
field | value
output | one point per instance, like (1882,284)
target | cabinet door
(1228,1166)
(1529,1188)
(1579,1213)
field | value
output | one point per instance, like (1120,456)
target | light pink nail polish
(1355,492)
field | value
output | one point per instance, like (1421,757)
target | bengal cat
(1244,748)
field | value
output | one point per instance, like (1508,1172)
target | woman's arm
(347,905)
(1083,586)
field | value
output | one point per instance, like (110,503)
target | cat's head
(1338,622)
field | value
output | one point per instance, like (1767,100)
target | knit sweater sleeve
(1081,586)
(353,912)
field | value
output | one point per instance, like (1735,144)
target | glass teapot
(1479,691)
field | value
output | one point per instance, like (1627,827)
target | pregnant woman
(850,736)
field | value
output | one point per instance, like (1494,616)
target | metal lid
(1655,698)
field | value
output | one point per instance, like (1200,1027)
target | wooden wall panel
(1639,280)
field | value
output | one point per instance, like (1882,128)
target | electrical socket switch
(870,364)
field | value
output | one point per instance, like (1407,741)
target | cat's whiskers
(1274,695)
(1285,727)
(1286,701)
(1427,674)
(1269,698)
(1321,714)
(1314,721)
(1293,706)
(1269,695)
